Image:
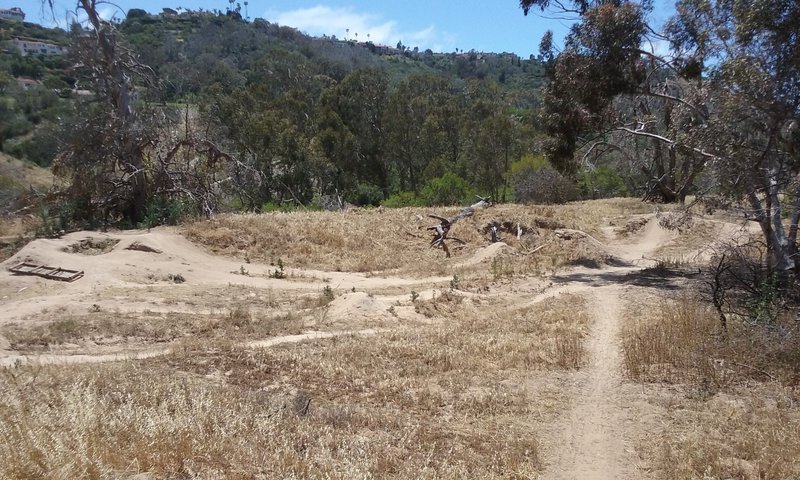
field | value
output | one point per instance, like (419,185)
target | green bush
(163,211)
(449,189)
(601,182)
(367,194)
(403,199)
(40,149)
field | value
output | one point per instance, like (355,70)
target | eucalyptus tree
(424,138)
(351,131)
(104,159)
(726,98)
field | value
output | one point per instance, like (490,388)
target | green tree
(352,131)
(423,120)
(726,100)
(492,136)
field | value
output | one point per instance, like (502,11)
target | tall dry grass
(452,399)
(682,341)
(735,410)
(129,329)
(374,240)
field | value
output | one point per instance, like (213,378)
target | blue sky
(496,26)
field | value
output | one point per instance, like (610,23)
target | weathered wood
(442,229)
(44,271)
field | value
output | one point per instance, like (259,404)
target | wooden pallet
(52,273)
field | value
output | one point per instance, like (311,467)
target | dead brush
(317,239)
(682,342)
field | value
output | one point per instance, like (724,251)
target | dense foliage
(274,116)
(723,104)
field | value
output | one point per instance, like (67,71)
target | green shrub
(601,182)
(449,189)
(367,194)
(161,211)
(403,199)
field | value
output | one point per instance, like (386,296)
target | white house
(14,13)
(32,46)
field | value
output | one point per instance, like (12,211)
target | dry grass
(546,335)
(98,328)
(683,342)
(448,400)
(747,433)
(737,411)
(387,239)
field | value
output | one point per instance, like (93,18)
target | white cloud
(348,23)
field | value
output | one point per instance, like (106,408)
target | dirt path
(53,359)
(593,440)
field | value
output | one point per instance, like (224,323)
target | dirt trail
(593,440)
(52,359)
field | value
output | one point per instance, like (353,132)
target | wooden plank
(45,271)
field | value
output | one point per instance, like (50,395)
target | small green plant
(392,311)
(176,278)
(414,296)
(763,306)
(327,294)
(279,272)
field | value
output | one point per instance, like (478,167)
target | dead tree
(442,230)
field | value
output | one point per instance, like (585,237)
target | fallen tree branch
(442,229)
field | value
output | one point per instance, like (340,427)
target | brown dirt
(595,435)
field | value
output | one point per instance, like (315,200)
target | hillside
(297,119)
(192,49)
(17,176)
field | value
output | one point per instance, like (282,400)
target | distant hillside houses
(27,83)
(14,13)
(32,46)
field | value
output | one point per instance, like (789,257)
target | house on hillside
(32,46)
(14,13)
(27,83)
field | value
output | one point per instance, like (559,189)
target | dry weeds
(377,240)
(737,408)
(449,400)
(106,329)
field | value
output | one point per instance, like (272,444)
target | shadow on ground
(656,277)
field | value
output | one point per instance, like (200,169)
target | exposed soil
(595,436)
